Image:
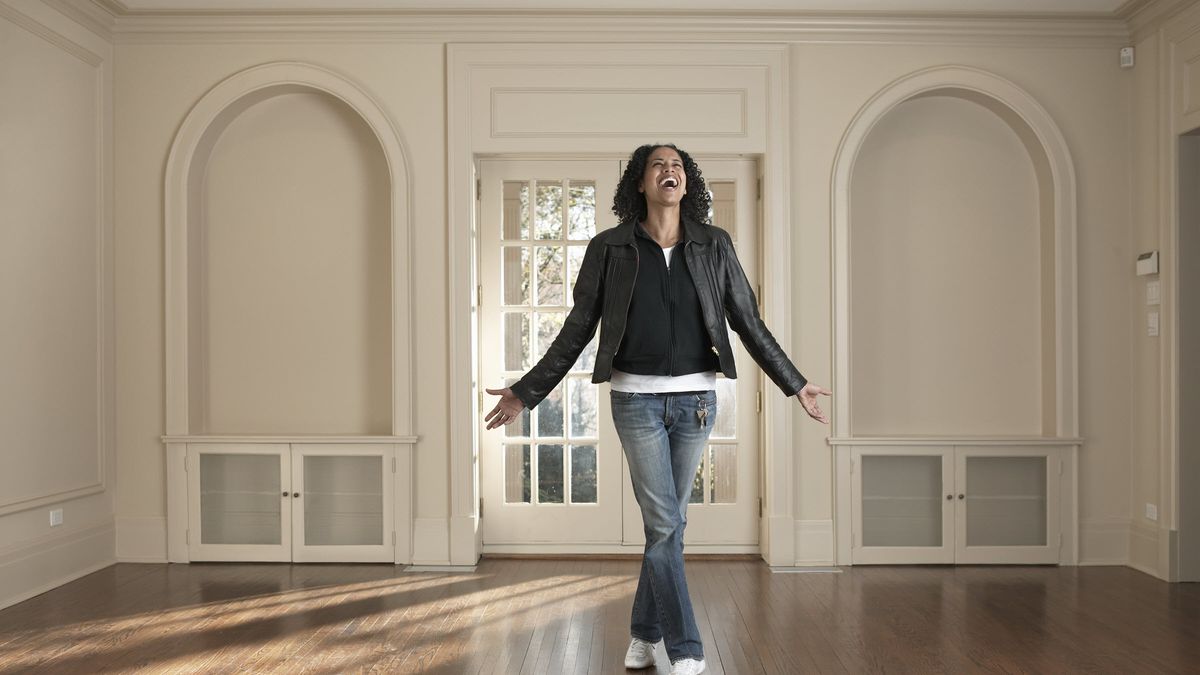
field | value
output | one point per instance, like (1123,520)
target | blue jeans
(664,438)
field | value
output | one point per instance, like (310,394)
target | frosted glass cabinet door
(239,502)
(1008,507)
(901,510)
(342,503)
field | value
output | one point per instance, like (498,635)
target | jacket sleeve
(741,308)
(578,329)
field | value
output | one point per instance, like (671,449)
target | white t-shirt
(661,384)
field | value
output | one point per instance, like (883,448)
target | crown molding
(87,14)
(1145,17)
(1092,30)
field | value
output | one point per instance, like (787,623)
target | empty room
(600,336)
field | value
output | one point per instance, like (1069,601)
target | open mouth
(669,183)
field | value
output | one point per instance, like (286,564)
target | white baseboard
(781,541)
(814,542)
(48,562)
(142,539)
(464,536)
(1104,541)
(431,541)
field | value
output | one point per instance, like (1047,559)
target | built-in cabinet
(292,502)
(905,501)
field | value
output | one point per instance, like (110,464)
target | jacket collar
(692,231)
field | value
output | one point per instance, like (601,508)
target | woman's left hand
(808,399)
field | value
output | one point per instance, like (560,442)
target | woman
(661,286)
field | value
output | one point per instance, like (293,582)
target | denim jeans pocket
(623,395)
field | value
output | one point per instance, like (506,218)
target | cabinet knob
(285,493)
(949,497)
(961,496)
(297,494)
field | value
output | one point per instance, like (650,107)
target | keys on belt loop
(702,413)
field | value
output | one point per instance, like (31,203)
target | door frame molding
(758,76)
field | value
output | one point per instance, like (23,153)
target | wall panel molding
(95,54)
(538,112)
(814,542)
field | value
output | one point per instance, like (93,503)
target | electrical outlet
(56,518)
(1152,512)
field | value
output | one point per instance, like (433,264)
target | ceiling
(957,7)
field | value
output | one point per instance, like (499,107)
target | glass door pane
(1006,501)
(343,505)
(240,499)
(901,500)
(343,500)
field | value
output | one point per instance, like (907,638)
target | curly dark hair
(629,204)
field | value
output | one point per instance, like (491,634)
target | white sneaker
(687,667)
(640,654)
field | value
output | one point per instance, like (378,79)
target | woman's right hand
(506,411)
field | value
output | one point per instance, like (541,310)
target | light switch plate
(1151,512)
(1152,324)
(1152,292)
(56,518)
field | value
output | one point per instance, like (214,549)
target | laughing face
(664,181)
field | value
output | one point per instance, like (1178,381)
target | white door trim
(760,74)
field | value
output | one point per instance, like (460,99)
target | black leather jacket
(605,285)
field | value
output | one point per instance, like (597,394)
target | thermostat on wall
(1147,263)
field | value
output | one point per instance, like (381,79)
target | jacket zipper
(637,264)
(670,318)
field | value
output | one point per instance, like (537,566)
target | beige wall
(1082,89)
(56,301)
(1145,352)
(1161,110)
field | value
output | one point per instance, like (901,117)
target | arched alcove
(964,191)
(289,284)
(951,273)
(287,255)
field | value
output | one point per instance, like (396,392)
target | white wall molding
(1144,17)
(1104,541)
(87,14)
(473,72)
(431,542)
(38,565)
(1027,29)
(142,539)
(814,542)
(1143,547)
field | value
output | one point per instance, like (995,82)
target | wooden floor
(572,616)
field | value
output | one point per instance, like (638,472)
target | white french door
(556,480)
(553,477)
